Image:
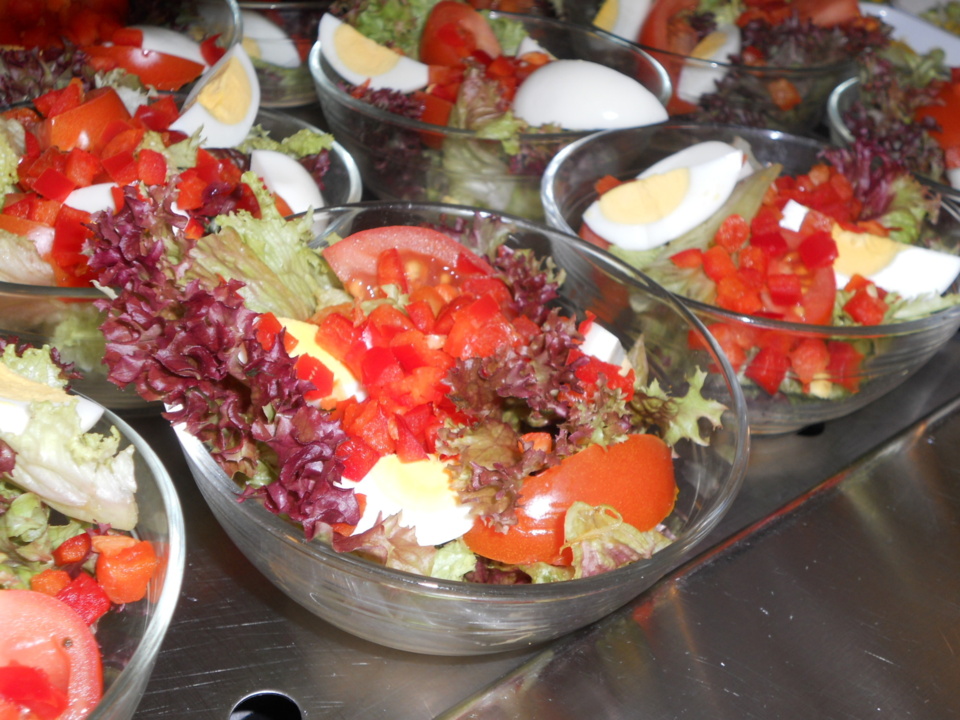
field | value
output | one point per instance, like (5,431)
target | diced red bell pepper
(82,167)
(844,365)
(122,167)
(72,550)
(734,294)
(408,446)
(124,575)
(380,366)
(717,263)
(390,270)
(809,359)
(158,115)
(86,597)
(818,250)
(357,457)
(54,102)
(54,184)
(314,371)
(768,369)
(785,288)
(689,258)
(151,167)
(732,233)
(865,307)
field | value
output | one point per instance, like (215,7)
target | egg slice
(171,42)
(622,17)
(358,59)
(697,79)
(267,41)
(669,198)
(223,105)
(584,95)
(908,270)
(287,178)
(18,392)
(420,492)
(345,385)
(93,198)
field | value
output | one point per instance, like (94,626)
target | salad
(753,40)
(398,395)
(54,180)
(68,554)
(848,243)
(907,106)
(945,15)
(501,102)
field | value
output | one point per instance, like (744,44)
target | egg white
(234,66)
(419,492)
(623,18)
(287,178)
(346,50)
(699,78)
(171,42)
(584,95)
(93,198)
(714,169)
(265,40)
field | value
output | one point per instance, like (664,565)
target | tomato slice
(428,257)
(635,477)
(947,114)
(666,27)
(454,31)
(84,125)
(154,68)
(41,632)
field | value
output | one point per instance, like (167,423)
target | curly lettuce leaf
(601,541)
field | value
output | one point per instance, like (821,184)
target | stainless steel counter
(846,604)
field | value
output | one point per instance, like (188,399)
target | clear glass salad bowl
(840,101)
(405,159)
(61,317)
(892,352)
(278,37)
(130,639)
(441,617)
(752,105)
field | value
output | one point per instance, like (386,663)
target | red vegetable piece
(86,597)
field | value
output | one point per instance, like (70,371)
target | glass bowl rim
(551,210)
(327,85)
(143,658)
(790,71)
(670,556)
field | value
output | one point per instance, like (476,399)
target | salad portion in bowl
(65,158)
(828,275)
(91,548)
(757,64)
(451,104)
(486,436)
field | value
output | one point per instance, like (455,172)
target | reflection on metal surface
(842,604)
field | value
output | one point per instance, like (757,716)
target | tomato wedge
(42,633)
(154,68)
(454,31)
(428,257)
(635,477)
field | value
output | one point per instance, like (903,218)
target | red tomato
(667,28)
(38,631)
(947,115)
(634,477)
(429,257)
(83,125)
(157,69)
(454,31)
(827,12)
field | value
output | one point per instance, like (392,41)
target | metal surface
(822,615)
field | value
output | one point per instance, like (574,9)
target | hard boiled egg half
(669,198)
(287,178)
(223,105)
(623,18)
(358,59)
(419,492)
(908,270)
(584,95)
(265,40)
(304,342)
(701,76)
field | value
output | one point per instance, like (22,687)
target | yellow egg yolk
(422,486)
(252,47)
(646,200)
(862,253)
(606,16)
(707,48)
(227,94)
(361,54)
(344,383)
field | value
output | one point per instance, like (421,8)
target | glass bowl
(441,617)
(58,316)
(404,159)
(841,100)
(892,352)
(693,78)
(278,36)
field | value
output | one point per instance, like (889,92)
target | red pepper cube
(735,294)
(809,359)
(768,369)
(151,167)
(818,250)
(773,243)
(86,597)
(844,364)
(732,233)
(865,307)
(54,184)
(785,289)
(689,258)
(717,263)
(358,458)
